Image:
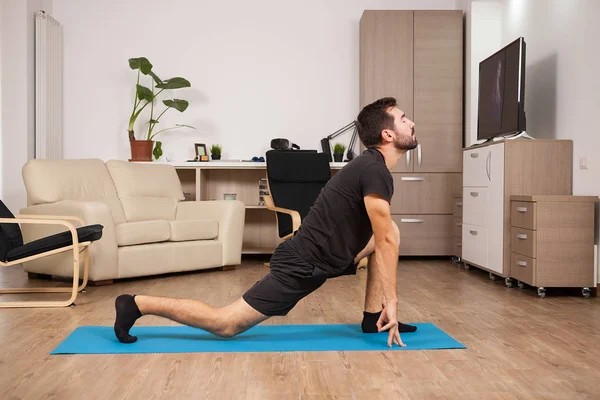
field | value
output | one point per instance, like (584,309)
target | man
(350,220)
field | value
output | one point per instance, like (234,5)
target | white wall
(18,94)
(258,70)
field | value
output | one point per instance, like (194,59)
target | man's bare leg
(227,321)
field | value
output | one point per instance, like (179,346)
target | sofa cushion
(147,191)
(50,181)
(132,233)
(199,229)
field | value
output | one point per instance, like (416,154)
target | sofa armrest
(104,263)
(230,215)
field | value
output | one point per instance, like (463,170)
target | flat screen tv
(501,105)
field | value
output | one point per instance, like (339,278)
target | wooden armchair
(14,251)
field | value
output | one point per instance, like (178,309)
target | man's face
(404,130)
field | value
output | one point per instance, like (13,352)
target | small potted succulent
(215,151)
(338,152)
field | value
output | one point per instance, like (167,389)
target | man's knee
(228,328)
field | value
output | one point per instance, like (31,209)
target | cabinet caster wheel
(467,266)
(521,285)
(541,292)
(492,277)
(586,292)
(509,282)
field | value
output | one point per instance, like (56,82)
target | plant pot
(338,157)
(141,150)
(215,157)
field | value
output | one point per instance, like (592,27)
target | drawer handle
(522,209)
(522,263)
(474,155)
(411,220)
(458,244)
(459,224)
(521,236)
(474,194)
(472,232)
(459,203)
(412,178)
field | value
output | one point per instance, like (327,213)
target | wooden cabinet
(552,241)
(417,57)
(458,222)
(492,173)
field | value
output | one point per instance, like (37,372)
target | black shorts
(289,280)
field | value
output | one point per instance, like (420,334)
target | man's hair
(373,119)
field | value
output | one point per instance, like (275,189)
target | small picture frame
(201,153)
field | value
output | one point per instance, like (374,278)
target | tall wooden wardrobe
(417,57)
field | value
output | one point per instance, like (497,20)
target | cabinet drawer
(475,245)
(457,227)
(423,193)
(457,207)
(523,241)
(427,235)
(475,204)
(522,268)
(458,248)
(522,214)
(476,167)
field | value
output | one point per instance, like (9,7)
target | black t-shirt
(337,227)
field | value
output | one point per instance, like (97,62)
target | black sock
(127,313)
(369,324)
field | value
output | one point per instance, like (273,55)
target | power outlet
(583,163)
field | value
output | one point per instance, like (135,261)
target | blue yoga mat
(260,338)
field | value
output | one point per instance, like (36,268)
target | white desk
(210,180)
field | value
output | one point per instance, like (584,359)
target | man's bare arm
(386,248)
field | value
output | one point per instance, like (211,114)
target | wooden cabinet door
(438,100)
(386,57)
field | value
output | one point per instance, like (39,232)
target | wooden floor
(518,345)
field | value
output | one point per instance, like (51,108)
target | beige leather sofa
(148,229)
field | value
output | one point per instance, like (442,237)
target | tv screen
(501,109)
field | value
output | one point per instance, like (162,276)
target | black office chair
(295,179)
(14,251)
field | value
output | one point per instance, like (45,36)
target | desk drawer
(457,227)
(475,203)
(523,214)
(475,245)
(522,268)
(523,241)
(458,207)
(423,193)
(425,235)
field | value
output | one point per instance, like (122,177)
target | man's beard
(405,143)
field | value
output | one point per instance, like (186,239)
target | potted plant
(141,150)
(338,152)
(215,151)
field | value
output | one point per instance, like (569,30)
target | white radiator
(48,87)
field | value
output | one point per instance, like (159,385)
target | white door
(495,176)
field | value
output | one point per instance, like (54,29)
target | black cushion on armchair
(87,233)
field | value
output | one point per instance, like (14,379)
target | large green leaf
(179,105)
(174,83)
(141,63)
(143,93)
